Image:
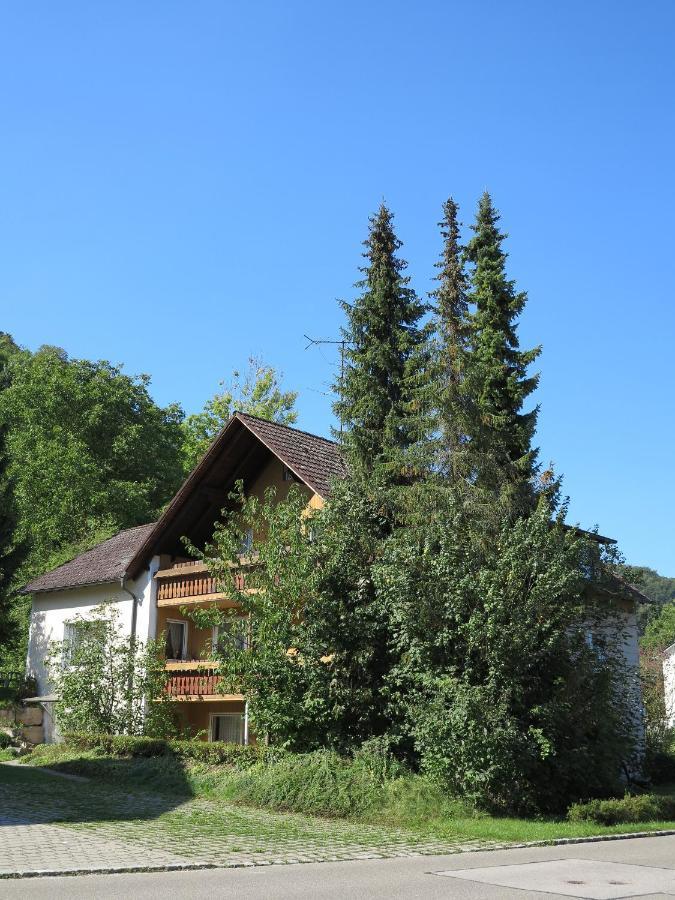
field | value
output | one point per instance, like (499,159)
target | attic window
(289,475)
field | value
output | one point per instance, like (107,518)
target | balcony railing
(189,580)
(192,684)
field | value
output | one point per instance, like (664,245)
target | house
(145,572)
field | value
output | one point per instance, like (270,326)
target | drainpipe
(132,640)
(246,722)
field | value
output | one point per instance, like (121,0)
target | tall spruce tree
(381,392)
(504,458)
(453,326)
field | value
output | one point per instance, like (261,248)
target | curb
(191,867)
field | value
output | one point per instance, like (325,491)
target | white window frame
(68,649)
(183,649)
(242,718)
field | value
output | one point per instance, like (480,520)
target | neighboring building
(144,571)
(669,683)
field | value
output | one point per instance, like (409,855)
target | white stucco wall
(51,610)
(669,683)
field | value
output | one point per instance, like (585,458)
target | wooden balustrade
(192,685)
(192,579)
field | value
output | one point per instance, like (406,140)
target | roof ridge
(318,437)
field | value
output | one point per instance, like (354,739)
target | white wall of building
(51,610)
(669,683)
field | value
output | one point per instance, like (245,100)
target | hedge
(214,753)
(630,809)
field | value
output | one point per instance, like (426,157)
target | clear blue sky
(184,184)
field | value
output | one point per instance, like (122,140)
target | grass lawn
(177,795)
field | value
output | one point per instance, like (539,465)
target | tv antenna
(315,342)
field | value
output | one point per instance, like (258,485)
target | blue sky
(184,184)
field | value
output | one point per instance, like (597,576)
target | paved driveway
(49,824)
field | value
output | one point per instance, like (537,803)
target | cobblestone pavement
(48,824)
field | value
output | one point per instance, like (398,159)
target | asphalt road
(639,867)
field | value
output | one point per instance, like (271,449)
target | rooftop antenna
(315,342)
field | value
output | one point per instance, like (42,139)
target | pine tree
(453,327)
(381,391)
(506,462)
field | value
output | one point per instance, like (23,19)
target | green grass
(350,793)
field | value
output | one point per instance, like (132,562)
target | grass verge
(321,784)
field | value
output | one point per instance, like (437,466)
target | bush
(660,766)
(238,756)
(319,783)
(628,810)
(6,740)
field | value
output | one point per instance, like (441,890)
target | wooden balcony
(190,582)
(196,685)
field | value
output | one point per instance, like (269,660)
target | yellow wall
(193,715)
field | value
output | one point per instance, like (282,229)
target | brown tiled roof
(103,564)
(315,460)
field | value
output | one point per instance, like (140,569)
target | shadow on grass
(120,789)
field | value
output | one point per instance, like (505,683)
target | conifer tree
(453,327)
(499,384)
(381,391)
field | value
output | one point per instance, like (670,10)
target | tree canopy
(257,391)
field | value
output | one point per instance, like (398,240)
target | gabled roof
(106,563)
(315,460)
(245,440)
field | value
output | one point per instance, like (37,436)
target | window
(246,542)
(176,639)
(227,727)
(232,634)
(288,475)
(76,635)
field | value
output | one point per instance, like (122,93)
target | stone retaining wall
(28,720)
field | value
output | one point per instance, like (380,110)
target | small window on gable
(289,475)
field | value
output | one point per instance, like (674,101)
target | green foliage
(258,393)
(660,764)
(660,632)
(313,675)
(106,682)
(238,756)
(505,701)
(382,389)
(88,448)
(498,383)
(12,550)
(641,808)
(320,783)
(453,328)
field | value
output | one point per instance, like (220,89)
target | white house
(145,572)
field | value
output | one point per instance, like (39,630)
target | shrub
(629,809)
(213,753)
(319,783)
(660,766)
(6,740)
